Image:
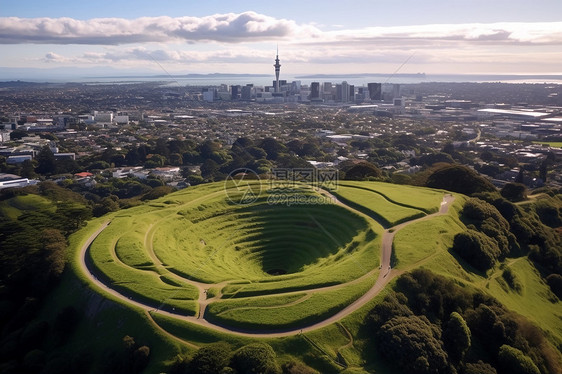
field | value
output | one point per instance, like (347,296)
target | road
(385,275)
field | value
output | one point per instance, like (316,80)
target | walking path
(385,275)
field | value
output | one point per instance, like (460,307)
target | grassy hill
(263,263)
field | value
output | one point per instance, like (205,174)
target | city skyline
(436,37)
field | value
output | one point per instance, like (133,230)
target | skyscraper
(344,92)
(314,90)
(375,91)
(277,69)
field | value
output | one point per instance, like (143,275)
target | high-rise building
(395,90)
(375,91)
(314,90)
(235,92)
(344,92)
(277,70)
(246,92)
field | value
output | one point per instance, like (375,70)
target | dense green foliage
(555,283)
(512,360)
(255,358)
(531,230)
(34,225)
(488,238)
(361,170)
(217,358)
(514,192)
(433,325)
(458,178)
(210,359)
(456,337)
(477,249)
(413,343)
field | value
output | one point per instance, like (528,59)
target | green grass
(198,234)
(422,239)
(226,305)
(145,285)
(150,252)
(536,302)
(221,242)
(14,207)
(377,206)
(295,314)
(130,250)
(425,199)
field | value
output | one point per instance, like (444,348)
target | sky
(313,37)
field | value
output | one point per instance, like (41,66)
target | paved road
(385,275)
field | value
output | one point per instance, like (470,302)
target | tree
(105,205)
(555,283)
(28,169)
(209,169)
(413,344)
(514,192)
(479,368)
(255,358)
(141,356)
(54,246)
(210,359)
(458,178)
(393,305)
(361,170)
(46,163)
(513,361)
(272,147)
(477,249)
(456,337)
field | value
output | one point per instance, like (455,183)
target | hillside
(194,267)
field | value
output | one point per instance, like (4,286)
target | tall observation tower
(277,69)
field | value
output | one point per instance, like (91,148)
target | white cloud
(229,28)
(251,26)
(246,40)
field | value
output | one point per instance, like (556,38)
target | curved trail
(385,275)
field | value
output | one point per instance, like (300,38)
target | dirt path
(385,275)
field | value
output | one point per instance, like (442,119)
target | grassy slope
(376,205)
(425,199)
(17,205)
(432,253)
(419,245)
(295,314)
(105,320)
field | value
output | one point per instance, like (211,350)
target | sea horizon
(214,79)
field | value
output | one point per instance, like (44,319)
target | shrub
(513,361)
(413,344)
(509,276)
(460,179)
(479,368)
(255,358)
(456,337)
(555,283)
(210,359)
(514,192)
(477,249)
